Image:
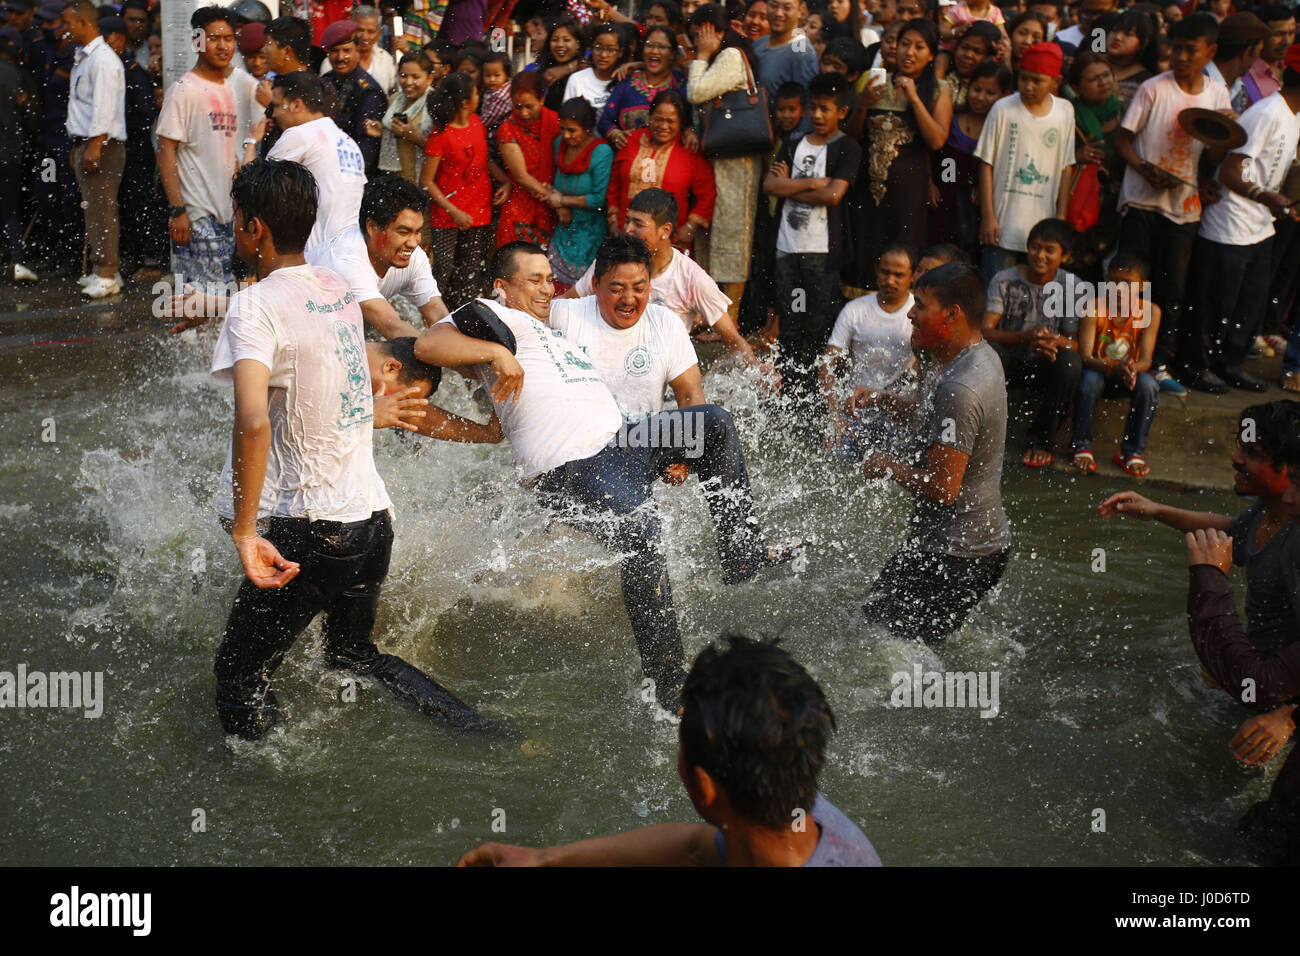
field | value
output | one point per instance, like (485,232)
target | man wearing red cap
(360,96)
(375,60)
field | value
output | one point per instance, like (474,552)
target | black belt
(324,527)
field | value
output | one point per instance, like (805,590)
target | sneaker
(101,287)
(1168,383)
(24,274)
(90,277)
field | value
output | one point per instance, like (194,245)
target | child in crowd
(961,16)
(469,60)
(957,217)
(1131,51)
(1032,322)
(1117,338)
(496,91)
(848,57)
(455,176)
(1026,153)
(811,176)
(958,67)
(874,335)
(1159,203)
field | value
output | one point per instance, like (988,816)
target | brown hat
(1242,29)
(337,33)
(252,37)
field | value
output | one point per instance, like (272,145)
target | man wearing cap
(142,203)
(1241,38)
(18,124)
(375,60)
(1232,257)
(360,96)
(196,156)
(97,125)
(250,41)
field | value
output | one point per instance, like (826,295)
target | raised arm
(447,346)
(664,844)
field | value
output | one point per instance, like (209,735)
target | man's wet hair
(316,95)
(1275,426)
(658,203)
(758,724)
(790,90)
(1195,26)
(204,17)
(1053,230)
(618,250)
(1129,261)
(283,195)
(955,283)
(830,86)
(386,195)
(413,371)
(505,261)
(292,33)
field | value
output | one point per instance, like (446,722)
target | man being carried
(301,461)
(752,743)
(571,444)
(960,539)
(676,281)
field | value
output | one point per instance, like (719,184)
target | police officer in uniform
(360,97)
(58,198)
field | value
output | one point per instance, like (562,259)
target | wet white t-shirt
(303,324)
(879,343)
(204,118)
(340,170)
(565,412)
(684,288)
(1152,118)
(1272,132)
(636,364)
(346,254)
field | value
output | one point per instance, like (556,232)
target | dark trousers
(460,261)
(808,300)
(343,569)
(144,209)
(1167,247)
(926,595)
(1225,304)
(11,188)
(609,496)
(1058,381)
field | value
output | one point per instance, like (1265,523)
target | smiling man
(196,156)
(360,96)
(959,539)
(381,257)
(372,57)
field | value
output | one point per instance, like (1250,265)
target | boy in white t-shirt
(1026,153)
(307,510)
(1159,202)
(874,334)
(196,158)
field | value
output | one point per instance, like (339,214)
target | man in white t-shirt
(1159,202)
(307,510)
(386,260)
(572,446)
(196,158)
(677,281)
(313,139)
(1233,255)
(874,334)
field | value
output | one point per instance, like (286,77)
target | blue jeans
(1141,410)
(609,496)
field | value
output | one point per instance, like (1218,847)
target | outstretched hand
(500,854)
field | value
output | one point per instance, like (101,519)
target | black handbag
(737,123)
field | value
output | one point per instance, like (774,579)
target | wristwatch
(175,211)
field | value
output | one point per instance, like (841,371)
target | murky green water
(112,560)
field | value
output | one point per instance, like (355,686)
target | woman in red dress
(654,157)
(526,141)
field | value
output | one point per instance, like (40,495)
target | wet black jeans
(343,569)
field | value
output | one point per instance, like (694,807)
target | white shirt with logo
(347,255)
(303,324)
(636,364)
(340,170)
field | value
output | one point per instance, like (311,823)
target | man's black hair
(1273,12)
(385,196)
(316,95)
(903,249)
(947,252)
(506,259)
(790,90)
(283,195)
(657,203)
(204,17)
(1128,261)
(848,51)
(292,33)
(413,371)
(617,250)
(1274,425)
(757,723)
(1195,26)
(955,283)
(1053,230)
(830,86)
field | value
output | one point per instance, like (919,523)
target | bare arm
(383,318)
(688,388)
(1063,192)
(513,157)
(938,481)
(447,346)
(664,844)
(435,310)
(1133,504)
